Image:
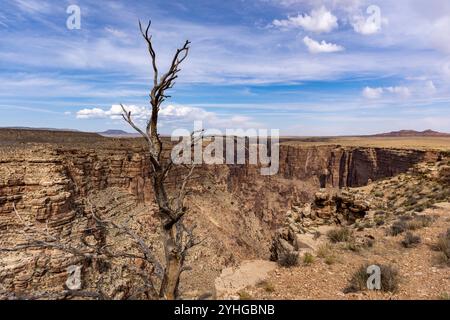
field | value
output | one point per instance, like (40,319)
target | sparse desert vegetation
(442,246)
(410,240)
(340,235)
(409,232)
(289,259)
(308,258)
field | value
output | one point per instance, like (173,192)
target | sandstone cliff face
(46,182)
(335,166)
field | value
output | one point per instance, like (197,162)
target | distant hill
(40,135)
(117,134)
(412,133)
(112,131)
(40,129)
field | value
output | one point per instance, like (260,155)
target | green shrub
(289,259)
(343,234)
(244,295)
(444,296)
(352,246)
(330,259)
(443,247)
(267,286)
(421,208)
(379,220)
(419,222)
(397,228)
(379,194)
(308,258)
(411,202)
(325,252)
(410,223)
(410,240)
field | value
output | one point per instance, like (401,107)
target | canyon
(46,176)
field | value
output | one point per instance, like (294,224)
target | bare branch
(53,242)
(126,115)
(148,255)
(151,51)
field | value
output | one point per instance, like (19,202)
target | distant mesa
(38,129)
(112,131)
(412,133)
(116,133)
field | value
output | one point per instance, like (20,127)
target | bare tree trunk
(169,287)
(170,212)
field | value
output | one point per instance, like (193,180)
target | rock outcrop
(304,224)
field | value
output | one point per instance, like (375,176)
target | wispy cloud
(319,20)
(321,47)
(33,6)
(372,93)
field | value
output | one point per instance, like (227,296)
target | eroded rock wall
(234,205)
(46,182)
(335,166)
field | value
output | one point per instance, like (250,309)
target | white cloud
(182,113)
(372,93)
(116,32)
(186,113)
(376,93)
(322,47)
(115,112)
(400,91)
(177,115)
(319,20)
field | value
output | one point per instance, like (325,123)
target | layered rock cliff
(46,181)
(235,206)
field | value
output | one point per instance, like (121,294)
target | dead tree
(177,238)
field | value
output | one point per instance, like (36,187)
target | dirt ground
(421,275)
(420,143)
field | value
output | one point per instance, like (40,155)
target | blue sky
(306,67)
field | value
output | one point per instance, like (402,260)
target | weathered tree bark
(170,213)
